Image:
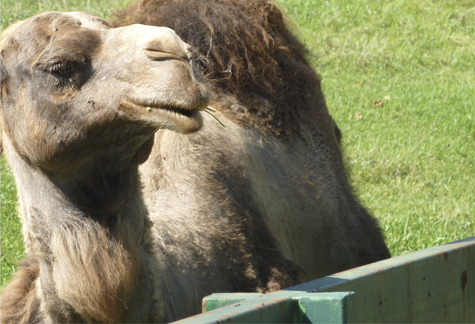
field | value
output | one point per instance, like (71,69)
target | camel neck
(102,249)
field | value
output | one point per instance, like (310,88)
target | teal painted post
(318,309)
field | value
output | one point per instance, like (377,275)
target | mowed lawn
(399,79)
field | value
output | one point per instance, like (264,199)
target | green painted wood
(279,307)
(215,301)
(436,285)
(268,309)
(319,309)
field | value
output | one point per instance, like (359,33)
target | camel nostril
(165,48)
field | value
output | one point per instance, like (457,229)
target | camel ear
(3,70)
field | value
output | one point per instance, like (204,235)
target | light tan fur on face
(7,33)
(5,37)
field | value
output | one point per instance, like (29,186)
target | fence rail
(435,285)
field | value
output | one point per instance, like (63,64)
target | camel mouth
(180,119)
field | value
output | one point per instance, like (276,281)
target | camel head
(76,91)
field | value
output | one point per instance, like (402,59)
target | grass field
(399,79)
(412,158)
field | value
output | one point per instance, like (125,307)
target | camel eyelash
(60,69)
(57,67)
(62,73)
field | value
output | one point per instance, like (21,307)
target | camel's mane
(243,47)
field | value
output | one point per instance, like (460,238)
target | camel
(135,201)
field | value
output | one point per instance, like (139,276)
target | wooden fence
(436,285)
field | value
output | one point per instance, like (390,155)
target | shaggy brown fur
(127,221)
(104,270)
(243,47)
(19,302)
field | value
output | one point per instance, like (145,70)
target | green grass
(14,10)
(411,160)
(10,229)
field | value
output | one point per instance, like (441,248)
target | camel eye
(61,69)
(65,64)
(65,73)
